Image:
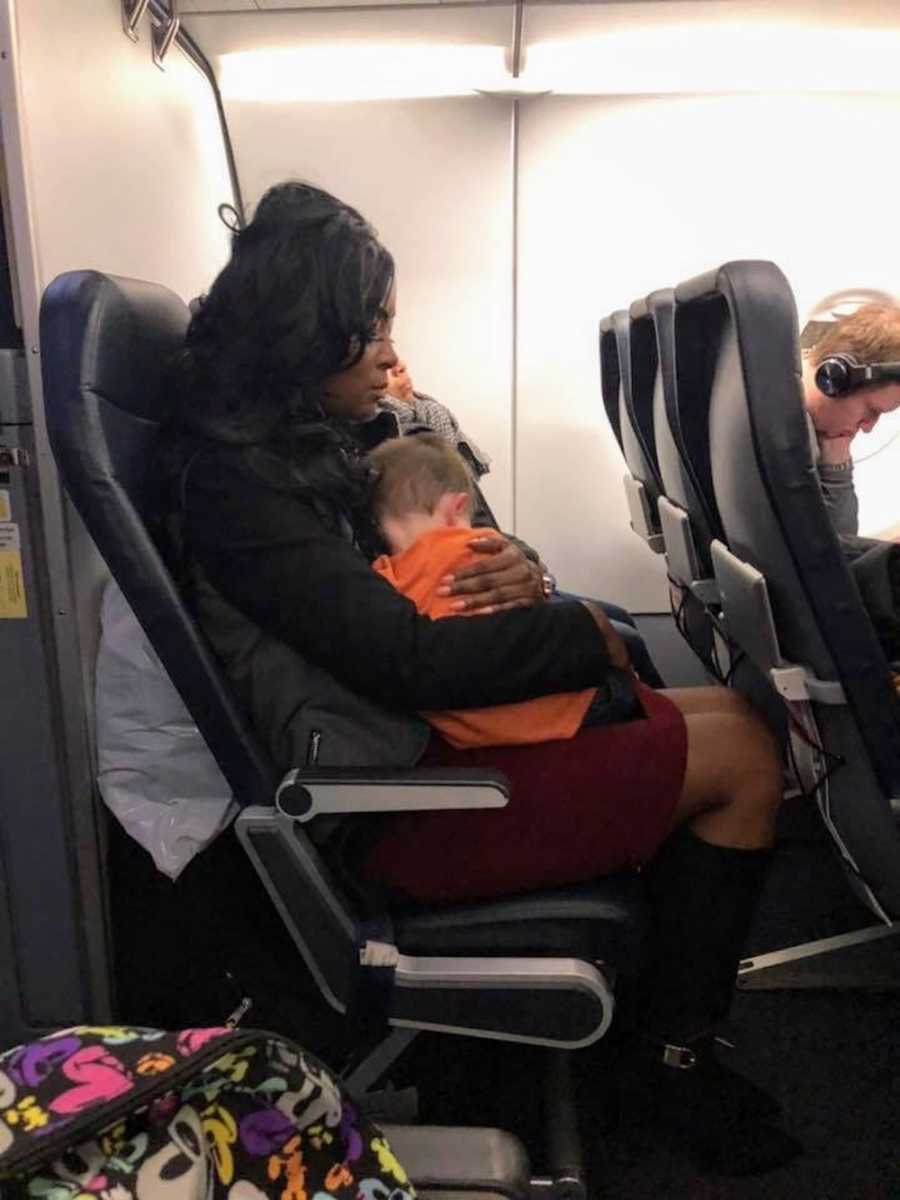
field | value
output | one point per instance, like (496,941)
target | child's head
(399,383)
(421,483)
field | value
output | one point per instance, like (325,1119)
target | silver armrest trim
(527,974)
(798,684)
(420,973)
(362,796)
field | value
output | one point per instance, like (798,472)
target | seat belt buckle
(378,954)
(680,1057)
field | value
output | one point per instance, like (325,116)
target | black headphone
(842,373)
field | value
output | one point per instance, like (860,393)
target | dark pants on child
(624,624)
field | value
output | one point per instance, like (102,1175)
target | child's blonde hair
(412,473)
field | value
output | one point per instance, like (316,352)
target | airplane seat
(683,519)
(639,394)
(610,378)
(787,596)
(642,485)
(675,483)
(537,968)
(692,527)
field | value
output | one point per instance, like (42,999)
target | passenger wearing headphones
(851,378)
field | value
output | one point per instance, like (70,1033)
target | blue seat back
(638,399)
(611,374)
(108,345)
(677,476)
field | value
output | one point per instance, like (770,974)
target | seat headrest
(613,354)
(116,336)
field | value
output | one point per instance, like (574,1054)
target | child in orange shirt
(422,499)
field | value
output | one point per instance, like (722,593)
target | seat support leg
(365,1075)
(565,1180)
(865,958)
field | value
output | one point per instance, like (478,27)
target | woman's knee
(732,759)
(733,793)
(758,760)
(712,699)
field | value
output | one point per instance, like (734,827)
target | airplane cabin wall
(435,179)
(123,169)
(126,161)
(622,195)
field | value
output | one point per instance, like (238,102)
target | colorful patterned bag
(121,1113)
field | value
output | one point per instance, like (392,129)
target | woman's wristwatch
(548,584)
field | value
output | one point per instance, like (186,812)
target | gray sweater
(838,490)
(840,498)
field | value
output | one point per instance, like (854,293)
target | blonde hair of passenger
(413,473)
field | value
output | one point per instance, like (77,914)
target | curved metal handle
(165,34)
(132,15)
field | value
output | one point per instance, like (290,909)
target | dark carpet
(831,1057)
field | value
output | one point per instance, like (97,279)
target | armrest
(487,1163)
(304,794)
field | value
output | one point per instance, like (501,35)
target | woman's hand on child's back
(615,643)
(502,578)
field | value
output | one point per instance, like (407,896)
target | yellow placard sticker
(12,581)
(12,586)
(5,509)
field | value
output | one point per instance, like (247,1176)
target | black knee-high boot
(702,899)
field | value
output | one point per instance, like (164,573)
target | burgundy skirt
(578,809)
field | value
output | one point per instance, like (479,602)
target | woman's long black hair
(298,300)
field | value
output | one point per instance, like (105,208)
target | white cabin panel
(127,163)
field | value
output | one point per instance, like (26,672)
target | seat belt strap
(376,963)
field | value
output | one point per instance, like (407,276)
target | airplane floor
(833,1059)
(831,1056)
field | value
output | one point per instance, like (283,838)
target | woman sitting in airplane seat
(279,384)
